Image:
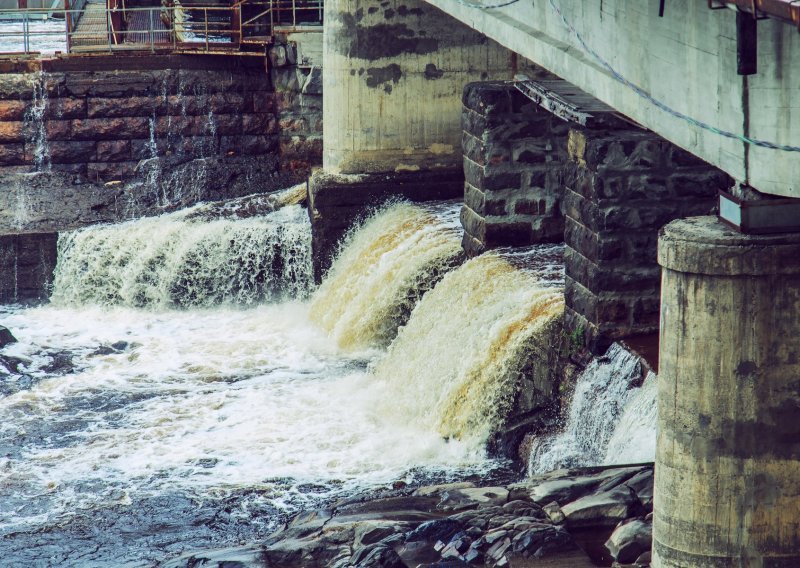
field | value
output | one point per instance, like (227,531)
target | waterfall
(22,208)
(35,123)
(609,421)
(383,269)
(453,367)
(112,415)
(201,256)
(634,438)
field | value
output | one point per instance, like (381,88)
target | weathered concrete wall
(514,153)
(728,458)
(686,59)
(394,72)
(626,185)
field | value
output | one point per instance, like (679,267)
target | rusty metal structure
(174,26)
(785,10)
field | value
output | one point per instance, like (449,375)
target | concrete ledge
(705,245)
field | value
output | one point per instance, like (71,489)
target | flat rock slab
(600,509)
(240,557)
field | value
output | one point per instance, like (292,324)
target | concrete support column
(728,459)
(394,74)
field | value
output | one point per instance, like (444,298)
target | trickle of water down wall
(186,388)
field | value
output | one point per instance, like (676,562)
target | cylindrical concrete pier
(728,459)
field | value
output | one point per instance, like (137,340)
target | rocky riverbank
(567,518)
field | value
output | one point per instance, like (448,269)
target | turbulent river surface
(188,388)
(45,36)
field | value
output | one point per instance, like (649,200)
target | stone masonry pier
(599,183)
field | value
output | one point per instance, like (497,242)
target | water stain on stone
(746,369)
(381,76)
(432,72)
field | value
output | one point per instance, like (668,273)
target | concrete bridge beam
(728,458)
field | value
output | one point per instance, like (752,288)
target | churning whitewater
(180,391)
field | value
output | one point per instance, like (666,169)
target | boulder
(6,337)
(564,486)
(630,540)
(642,485)
(471,498)
(604,509)
(554,513)
(240,557)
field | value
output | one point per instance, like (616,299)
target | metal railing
(182,27)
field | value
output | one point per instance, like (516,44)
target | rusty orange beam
(786,10)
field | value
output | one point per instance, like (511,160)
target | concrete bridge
(638,115)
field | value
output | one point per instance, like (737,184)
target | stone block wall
(514,153)
(625,185)
(101,124)
(298,104)
(26,266)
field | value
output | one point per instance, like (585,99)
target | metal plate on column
(761,216)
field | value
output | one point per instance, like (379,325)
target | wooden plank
(570,103)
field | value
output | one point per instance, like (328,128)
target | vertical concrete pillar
(394,74)
(728,459)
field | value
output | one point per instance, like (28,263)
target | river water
(46,36)
(188,388)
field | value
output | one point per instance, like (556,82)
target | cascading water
(130,435)
(381,274)
(610,420)
(35,123)
(180,260)
(452,367)
(634,438)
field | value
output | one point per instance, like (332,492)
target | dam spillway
(133,413)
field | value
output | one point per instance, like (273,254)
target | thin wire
(484,6)
(663,106)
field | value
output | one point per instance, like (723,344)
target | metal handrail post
(26,41)
(205,14)
(68,23)
(152,43)
(109,29)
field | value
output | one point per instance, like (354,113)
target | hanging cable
(484,6)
